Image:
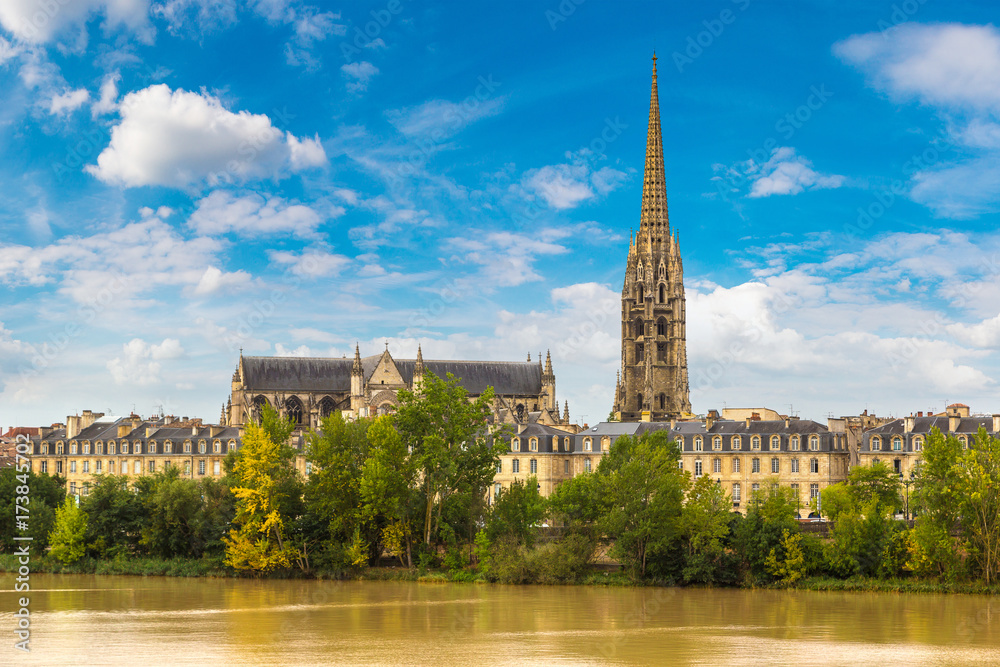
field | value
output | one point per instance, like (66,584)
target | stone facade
(653,382)
(307,390)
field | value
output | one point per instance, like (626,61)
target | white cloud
(214,279)
(140,361)
(985,334)
(8,51)
(786,173)
(223,212)
(68,101)
(182,139)
(564,186)
(38,21)
(441,119)
(196,17)
(301,351)
(108,100)
(358,75)
(507,259)
(313,263)
(943,64)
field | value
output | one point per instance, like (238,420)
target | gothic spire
(419,366)
(548,362)
(356,370)
(654,220)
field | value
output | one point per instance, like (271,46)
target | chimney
(996,424)
(908,424)
(920,414)
(787,421)
(748,422)
(72,426)
(710,419)
(124,428)
(953,422)
(194,431)
(149,430)
(214,431)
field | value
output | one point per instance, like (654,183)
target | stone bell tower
(653,383)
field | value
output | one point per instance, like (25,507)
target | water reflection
(131,620)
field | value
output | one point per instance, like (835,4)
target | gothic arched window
(663,293)
(293,409)
(663,401)
(641,293)
(520,412)
(639,328)
(326,407)
(258,407)
(639,401)
(661,327)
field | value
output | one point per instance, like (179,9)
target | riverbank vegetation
(410,489)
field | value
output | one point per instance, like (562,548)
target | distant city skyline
(185,179)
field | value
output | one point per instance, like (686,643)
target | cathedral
(653,382)
(309,389)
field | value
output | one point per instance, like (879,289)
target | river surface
(153,621)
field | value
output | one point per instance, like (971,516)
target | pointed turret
(418,369)
(548,362)
(565,412)
(548,397)
(654,223)
(357,384)
(356,369)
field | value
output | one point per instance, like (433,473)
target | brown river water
(151,621)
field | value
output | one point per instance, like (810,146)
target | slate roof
(315,374)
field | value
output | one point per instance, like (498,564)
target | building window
(697,468)
(497,488)
(45,466)
(736,442)
(918,443)
(698,443)
(515,444)
(216,467)
(217,447)
(775,443)
(86,448)
(964,440)
(813,443)
(111,448)
(86,466)
(876,443)
(533,444)
(72,488)
(755,465)
(201,447)
(795,465)
(111,467)
(588,444)
(755,442)
(716,465)
(499,467)
(72,466)
(232,445)
(515,466)
(187,446)
(897,444)
(59,448)
(814,465)
(97,467)
(99,448)
(775,466)
(59,467)
(793,443)
(567,444)
(152,466)
(605,444)
(201,467)
(138,466)
(897,467)
(736,464)
(45,448)
(586,465)
(124,447)
(755,487)
(533,466)
(813,491)
(168,447)
(717,443)
(736,492)
(566,466)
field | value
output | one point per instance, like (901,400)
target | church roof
(334,375)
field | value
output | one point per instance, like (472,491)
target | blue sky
(182,178)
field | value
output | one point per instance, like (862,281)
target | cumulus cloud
(214,279)
(786,173)
(108,100)
(139,363)
(182,139)
(224,212)
(37,21)
(358,75)
(565,186)
(196,17)
(68,101)
(507,259)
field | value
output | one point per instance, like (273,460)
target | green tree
(837,500)
(116,514)
(45,495)
(174,526)
(516,513)
(770,513)
(265,483)
(454,449)
(68,535)
(937,500)
(978,480)
(644,491)
(705,526)
(386,488)
(865,542)
(577,503)
(790,565)
(875,482)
